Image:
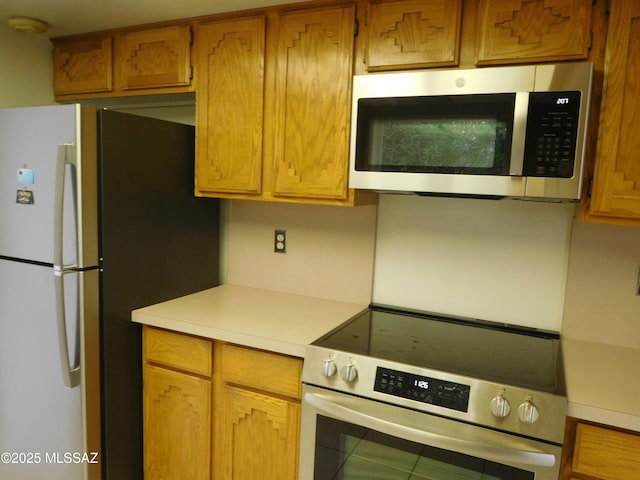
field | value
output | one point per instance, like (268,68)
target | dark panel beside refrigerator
(157,242)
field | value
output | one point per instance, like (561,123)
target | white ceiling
(66,17)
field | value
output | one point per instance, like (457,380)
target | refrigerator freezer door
(40,419)
(29,139)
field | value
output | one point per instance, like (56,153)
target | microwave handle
(519,134)
(484,450)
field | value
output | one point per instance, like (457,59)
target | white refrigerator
(97,218)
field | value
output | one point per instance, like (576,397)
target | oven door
(345,437)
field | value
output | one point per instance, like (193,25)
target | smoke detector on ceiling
(28,25)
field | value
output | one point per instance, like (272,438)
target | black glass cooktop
(512,355)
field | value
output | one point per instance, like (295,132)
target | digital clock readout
(421,384)
(423,389)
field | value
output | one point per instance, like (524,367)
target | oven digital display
(454,396)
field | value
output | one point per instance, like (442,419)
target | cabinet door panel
(260,436)
(616,188)
(413,33)
(83,66)
(606,454)
(177,425)
(230,86)
(533,30)
(160,57)
(313,91)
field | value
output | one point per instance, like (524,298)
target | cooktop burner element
(496,375)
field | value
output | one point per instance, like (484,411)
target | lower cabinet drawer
(261,370)
(177,350)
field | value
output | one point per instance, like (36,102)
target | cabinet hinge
(190,72)
(191,36)
(590,44)
(356,27)
(590,187)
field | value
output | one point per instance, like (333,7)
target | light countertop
(264,319)
(603,382)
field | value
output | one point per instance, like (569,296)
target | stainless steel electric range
(396,394)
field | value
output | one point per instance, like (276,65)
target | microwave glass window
(350,452)
(467,134)
(454,143)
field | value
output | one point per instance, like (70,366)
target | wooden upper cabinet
(312,102)
(123,62)
(616,184)
(159,57)
(532,30)
(229,119)
(413,33)
(83,66)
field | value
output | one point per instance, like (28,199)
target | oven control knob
(528,412)
(329,369)
(349,372)
(500,406)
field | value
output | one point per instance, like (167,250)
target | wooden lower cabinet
(256,414)
(257,436)
(598,452)
(176,398)
(217,411)
(177,431)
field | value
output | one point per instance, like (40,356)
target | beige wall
(506,261)
(499,260)
(601,302)
(25,69)
(329,249)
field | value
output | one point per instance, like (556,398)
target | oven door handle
(484,450)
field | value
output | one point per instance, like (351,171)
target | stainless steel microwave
(489,132)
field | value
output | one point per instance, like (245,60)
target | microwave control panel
(552,129)
(429,390)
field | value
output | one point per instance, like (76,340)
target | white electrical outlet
(280,241)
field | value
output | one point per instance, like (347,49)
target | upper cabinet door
(83,66)
(616,186)
(533,30)
(413,33)
(159,57)
(312,107)
(229,118)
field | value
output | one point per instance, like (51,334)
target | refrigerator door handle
(66,156)
(70,373)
